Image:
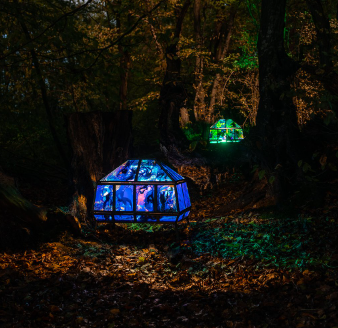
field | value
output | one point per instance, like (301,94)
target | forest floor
(244,269)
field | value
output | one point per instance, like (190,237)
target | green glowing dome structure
(225,131)
(140,191)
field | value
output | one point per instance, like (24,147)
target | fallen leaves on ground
(231,271)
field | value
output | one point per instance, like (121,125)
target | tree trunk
(199,103)
(19,219)
(326,73)
(125,62)
(277,129)
(42,84)
(323,31)
(100,141)
(124,74)
(220,48)
(173,94)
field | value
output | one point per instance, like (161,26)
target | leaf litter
(249,269)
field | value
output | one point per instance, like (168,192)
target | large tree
(277,133)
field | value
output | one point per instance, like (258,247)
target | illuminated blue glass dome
(142,191)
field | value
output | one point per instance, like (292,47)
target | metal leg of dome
(178,239)
(112,224)
(95,224)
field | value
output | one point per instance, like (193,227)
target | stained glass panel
(186,194)
(166,198)
(174,174)
(239,134)
(125,172)
(225,131)
(168,218)
(124,217)
(181,202)
(150,171)
(124,198)
(145,198)
(116,201)
(145,218)
(103,217)
(180,218)
(104,198)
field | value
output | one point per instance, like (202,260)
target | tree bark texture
(100,141)
(173,94)
(277,129)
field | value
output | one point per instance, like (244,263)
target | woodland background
(86,85)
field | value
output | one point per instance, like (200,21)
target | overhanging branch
(70,13)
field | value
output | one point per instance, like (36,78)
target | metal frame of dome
(116,180)
(223,133)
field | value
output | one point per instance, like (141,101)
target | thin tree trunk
(221,46)
(43,89)
(326,73)
(125,62)
(323,31)
(124,74)
(199,103)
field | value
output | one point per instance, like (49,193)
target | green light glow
(225,131)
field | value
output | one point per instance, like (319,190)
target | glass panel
(222,136)
(219,124)
(174,174)
(125,172)
(166,198)
(145,198)
(238,134)
(231,124)
(124,218)
(186,195)
(104,198)
(145,218)
(168,218)
(230,135)
(180,197)
(227,131)
(103,217)
(222,124)
(180,218)
(213,136)
(150,171)
(124,198)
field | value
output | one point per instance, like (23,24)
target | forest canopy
(178,65)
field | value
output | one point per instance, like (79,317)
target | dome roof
(143,170)
(225,124)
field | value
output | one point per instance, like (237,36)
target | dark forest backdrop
(87,84)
